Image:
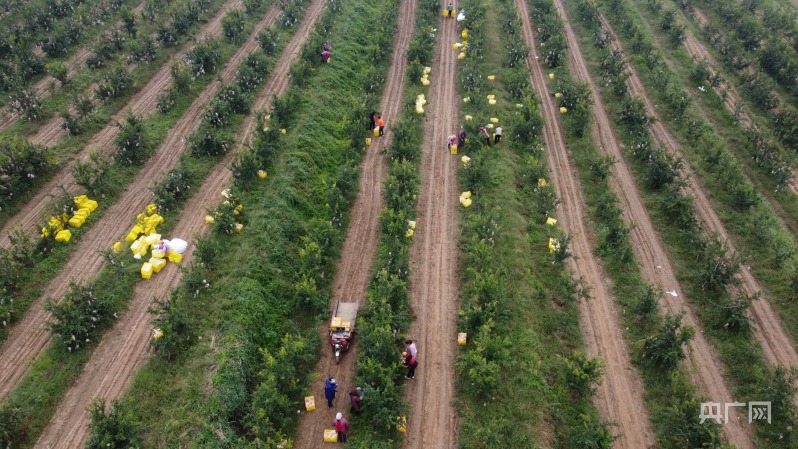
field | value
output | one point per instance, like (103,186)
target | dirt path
(50,133)
(74,64)
(124,348)
(30,336)
(778,346)
(434,282)
(143,105)
(620,395)
(362,239)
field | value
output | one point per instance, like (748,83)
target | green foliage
(141,50)
(72,124)
(735,314)
(57,70)
(20,163)
(12,427)
(173,321)
(582,374)
(76,318)
(244,167)
(646,304)
(233,25)
(229,100)
(174,188)
(116,430)
(208,141)
(114,82)
(268,40)
(26,103)
(204,58)
(592,434)
(663,348)
(252,6)
(252,72)
(93,175)
(181,76)
(132,143)
(719,266)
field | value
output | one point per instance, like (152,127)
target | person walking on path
(372,121)
(411,363)
(497,135)
(450,10)
(329,391)
(356,398)
(486,135)
(460,142)
(341,426)
(381,124)
(411,347)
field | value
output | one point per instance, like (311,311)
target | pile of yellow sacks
(420,102)
(425,76)
(58,223)
(411,228)
(465,199)
(146,224)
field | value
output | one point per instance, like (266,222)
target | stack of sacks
(411,228)
(146,223)
(420,102)
(425,76)
(491,99)
(85,208)
(465,199)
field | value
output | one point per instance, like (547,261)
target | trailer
(342,327)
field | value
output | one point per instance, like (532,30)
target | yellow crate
(335,322)
(63,236)
(462,338)
(330,436)
(310,403)
(453,148)
(209,219)
(376,131)
(174,257)
(146,270)
(76,222)
(158,254)
(117,247)
(157,264)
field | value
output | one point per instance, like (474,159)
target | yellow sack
(401,424)
(91,205)
(466,194)
(262,174)
(541,182)
(409,233)
(151,209)
(368,141)
(376,131)
(209,219)
(239,227)
(554,245)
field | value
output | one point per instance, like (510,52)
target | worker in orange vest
(381,124)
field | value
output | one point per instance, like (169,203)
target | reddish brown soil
(620,396)
(124,348)
(30,336)
(360,246)
(434,281)
(143,104)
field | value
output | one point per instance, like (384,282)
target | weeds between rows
(519,302)
(105,176)
(267,308)
(703,265)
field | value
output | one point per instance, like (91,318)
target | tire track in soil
(30,336)
(50,133)
(143,105)
(124,348)
(776,343)
(73,64)
(434,282)
(620,396)
(362,240)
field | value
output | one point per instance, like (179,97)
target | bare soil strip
(434,292)
(29,337)
(143,104)
(705,371)
(124,348)
(42,87)
(362,239)
(620,397)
